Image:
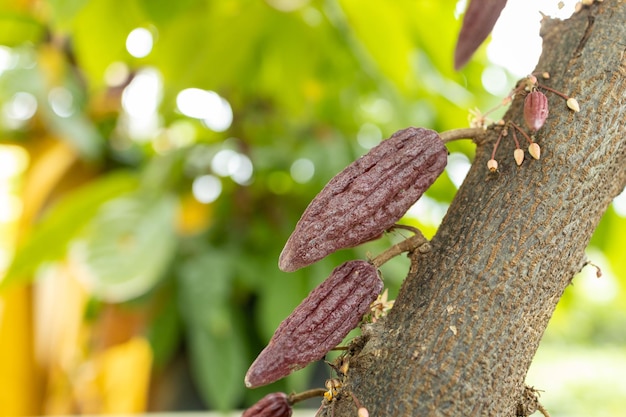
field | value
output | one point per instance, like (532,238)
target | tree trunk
(471,313)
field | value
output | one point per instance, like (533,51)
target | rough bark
(470,315)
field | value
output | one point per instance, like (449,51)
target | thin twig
(407,245)
(464,133)
(305,395)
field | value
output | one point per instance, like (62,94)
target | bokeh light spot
(457,168)
(61,101)
(139,42)
(495,81)
(208,106)
(206,188)
(369,135)
(302,170)
(22,106)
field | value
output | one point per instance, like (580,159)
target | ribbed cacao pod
(367,197)
(319,323)
(535,110)
(478,21)
(275,404)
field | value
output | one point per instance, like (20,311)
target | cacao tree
(471,312)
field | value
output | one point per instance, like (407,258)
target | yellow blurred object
(193,216)
(49,164)
(59,334)
(19,382)
(115,380)
(19,377)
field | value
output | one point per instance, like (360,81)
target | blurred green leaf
(165,332)
(127,246)
(215,330)
(49,239)
(64,11)
(18,29)
(218,363)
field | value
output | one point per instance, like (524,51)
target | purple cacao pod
(478,21)
(275,404)
(535,110)
(367,197)
(319,323)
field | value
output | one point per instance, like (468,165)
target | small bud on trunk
(534,150)
(492,164)
(518,154)
(572,103)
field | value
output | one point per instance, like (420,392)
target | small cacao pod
(319,323)
(275,404)
(535,110)
(367,197)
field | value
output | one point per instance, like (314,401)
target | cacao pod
(275,404)
(535,110)
(478,21)
(319,323)
(367,197)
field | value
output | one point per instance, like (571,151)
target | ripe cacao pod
(319,323)
(275,404)
(535,110)
(478,21)
(367,197)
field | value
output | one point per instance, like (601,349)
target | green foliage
(215,330)
(63,222)
(127,246)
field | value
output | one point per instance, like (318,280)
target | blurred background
(155,156)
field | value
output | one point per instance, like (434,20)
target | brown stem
(495,147)
(519,129)
(464,133)
(408,245)
(305,395)
(558,93)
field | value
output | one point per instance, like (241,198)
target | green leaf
(18,29)
(164,331)
(214,327)
(64,11)
(49,239)
(127,247)
(280,294)
(218,363)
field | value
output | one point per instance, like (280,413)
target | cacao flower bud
(492,164)
(367,197)
(275,404)
(535,110)
(518,154)
(319,323)
(572,103)
(534,150)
